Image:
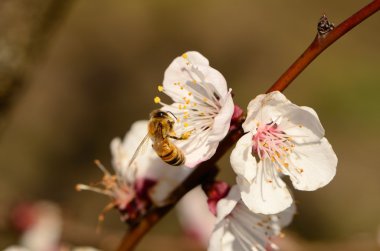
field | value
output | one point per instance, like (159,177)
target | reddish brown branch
(320,43)
(203,172)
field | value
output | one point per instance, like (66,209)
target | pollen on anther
(185,124)
(184,55)
(78,188)
(160,88)
(157,100)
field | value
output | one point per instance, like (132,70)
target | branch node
(324,26)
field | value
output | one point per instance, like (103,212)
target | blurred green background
(77,74)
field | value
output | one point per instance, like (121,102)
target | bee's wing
(140,149)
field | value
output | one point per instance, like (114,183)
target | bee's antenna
(172,114)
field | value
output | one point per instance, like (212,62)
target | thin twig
(319,44)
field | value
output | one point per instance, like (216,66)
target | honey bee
(160,131)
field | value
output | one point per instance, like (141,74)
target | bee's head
(158,114)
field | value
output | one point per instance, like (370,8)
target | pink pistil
(270,142)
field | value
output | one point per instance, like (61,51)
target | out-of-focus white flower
(16,248)
(134,187)
(282,138)
(41,224)
(147,166)
(239,229)
(195,217)
(202,105)
(85,249)
(45,233)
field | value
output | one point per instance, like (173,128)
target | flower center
(197,102)
(270,142)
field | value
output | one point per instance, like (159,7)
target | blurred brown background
(75,74)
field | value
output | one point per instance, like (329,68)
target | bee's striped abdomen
(173,156)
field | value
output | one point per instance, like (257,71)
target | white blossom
(147,179)
(197,220)
(239,229)
(43,228)
(281,139)
(202,105)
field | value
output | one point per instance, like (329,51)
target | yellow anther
(157,100)
(205,99)
(185,124)
(184,107)
(160,88)
(187,101)
(194,81)
(186,135)
(184,55)
(181,87)
(300,170)
(286,165)
(190,94)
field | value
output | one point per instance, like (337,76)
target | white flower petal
(190,70)
(264,196)
(168,177)
(303,123)
(264,109)
(226,205)
(202,105)
(300,122)
(216,240)
(315,165)
(195,58)
(200,154)
(241,229)
(286,217)
(19,248)
(197,219)
(242,161)
(222,120)
(147,164)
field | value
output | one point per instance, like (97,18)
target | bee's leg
(183,136)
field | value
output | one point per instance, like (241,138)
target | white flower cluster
(280,139)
